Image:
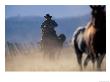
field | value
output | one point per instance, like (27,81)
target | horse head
(62,37)
(98,15)
(97,10)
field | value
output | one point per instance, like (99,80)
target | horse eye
(94,12)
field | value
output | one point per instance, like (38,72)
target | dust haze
(32,59)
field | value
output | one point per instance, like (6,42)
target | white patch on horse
(74,34)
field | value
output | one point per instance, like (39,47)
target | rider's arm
(55,24)
(43,24)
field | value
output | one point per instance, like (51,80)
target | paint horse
(91,39)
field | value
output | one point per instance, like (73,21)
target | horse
(52,44)
(91,39)
(60,41)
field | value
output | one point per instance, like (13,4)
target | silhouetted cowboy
(49,22)
(48,25)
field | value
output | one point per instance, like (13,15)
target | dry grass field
(35,61)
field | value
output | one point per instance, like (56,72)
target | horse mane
(98,17)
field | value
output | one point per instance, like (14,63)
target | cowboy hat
(48,16)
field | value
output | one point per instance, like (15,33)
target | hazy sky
(40,10)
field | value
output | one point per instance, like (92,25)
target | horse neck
(100,22)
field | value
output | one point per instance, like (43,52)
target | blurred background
(23,21)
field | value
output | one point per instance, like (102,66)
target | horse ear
(103,6)
(92,6)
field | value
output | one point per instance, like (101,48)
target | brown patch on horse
(89,35)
